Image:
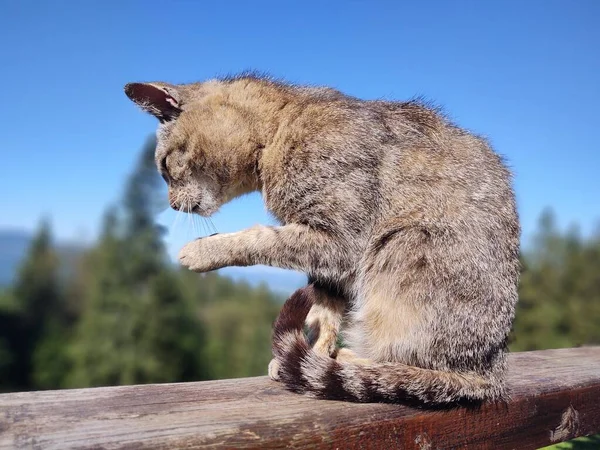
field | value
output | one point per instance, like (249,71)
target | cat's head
(207,146)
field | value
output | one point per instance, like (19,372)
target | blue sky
(526,74)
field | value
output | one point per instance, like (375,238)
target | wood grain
(555,396)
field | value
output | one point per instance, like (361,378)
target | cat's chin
(204,212)
(198,210)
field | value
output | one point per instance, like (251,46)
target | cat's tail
(304,371)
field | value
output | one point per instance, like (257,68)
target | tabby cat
(405,224)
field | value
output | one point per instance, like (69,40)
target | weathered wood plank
(555,396)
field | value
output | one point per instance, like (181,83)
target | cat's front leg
(212,252)
(293,246)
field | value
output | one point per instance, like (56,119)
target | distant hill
(14,245)
(13,248)
(278,280)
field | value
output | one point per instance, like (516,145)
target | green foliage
(8,339)
(559,293)
(30,313)
(582,443)
(36,286)
(135,326)
(240,329)
(50,359)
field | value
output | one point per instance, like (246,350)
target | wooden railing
(555,397)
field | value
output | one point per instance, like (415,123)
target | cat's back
(404,159)
(432,165)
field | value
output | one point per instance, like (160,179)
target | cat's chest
(285,204)
(290,197)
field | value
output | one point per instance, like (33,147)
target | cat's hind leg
(323,321)
(345,355)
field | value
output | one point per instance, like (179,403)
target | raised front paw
(201,255)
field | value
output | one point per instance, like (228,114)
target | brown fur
(401,219)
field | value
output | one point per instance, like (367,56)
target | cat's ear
(159,99)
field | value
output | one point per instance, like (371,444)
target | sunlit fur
(405,224)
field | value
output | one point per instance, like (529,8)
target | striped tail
(304,371)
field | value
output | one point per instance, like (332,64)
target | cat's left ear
(161,100)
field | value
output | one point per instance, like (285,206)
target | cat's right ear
(159,99)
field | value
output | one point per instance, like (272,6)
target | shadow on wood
(555,397)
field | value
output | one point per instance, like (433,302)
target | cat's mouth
(189,208)
(194,209)
(203,203)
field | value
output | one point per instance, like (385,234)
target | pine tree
(36,288)
(98,348)
(142,236)
(41,316)
(559,293)
(173,337)
(136,326)
(9,336)
(239,320)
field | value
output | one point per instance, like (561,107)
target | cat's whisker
(205,226)
(192,221)
(200,225)
(186,211)
(176,219)
(173,220)
(180,215)
(212,225)
(194,224)
(191,218)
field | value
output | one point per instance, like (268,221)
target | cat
(405,224)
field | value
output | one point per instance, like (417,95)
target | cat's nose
(173,201)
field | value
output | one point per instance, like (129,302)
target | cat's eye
(164,173)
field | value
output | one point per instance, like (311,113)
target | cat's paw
(274,370)
(199,255)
